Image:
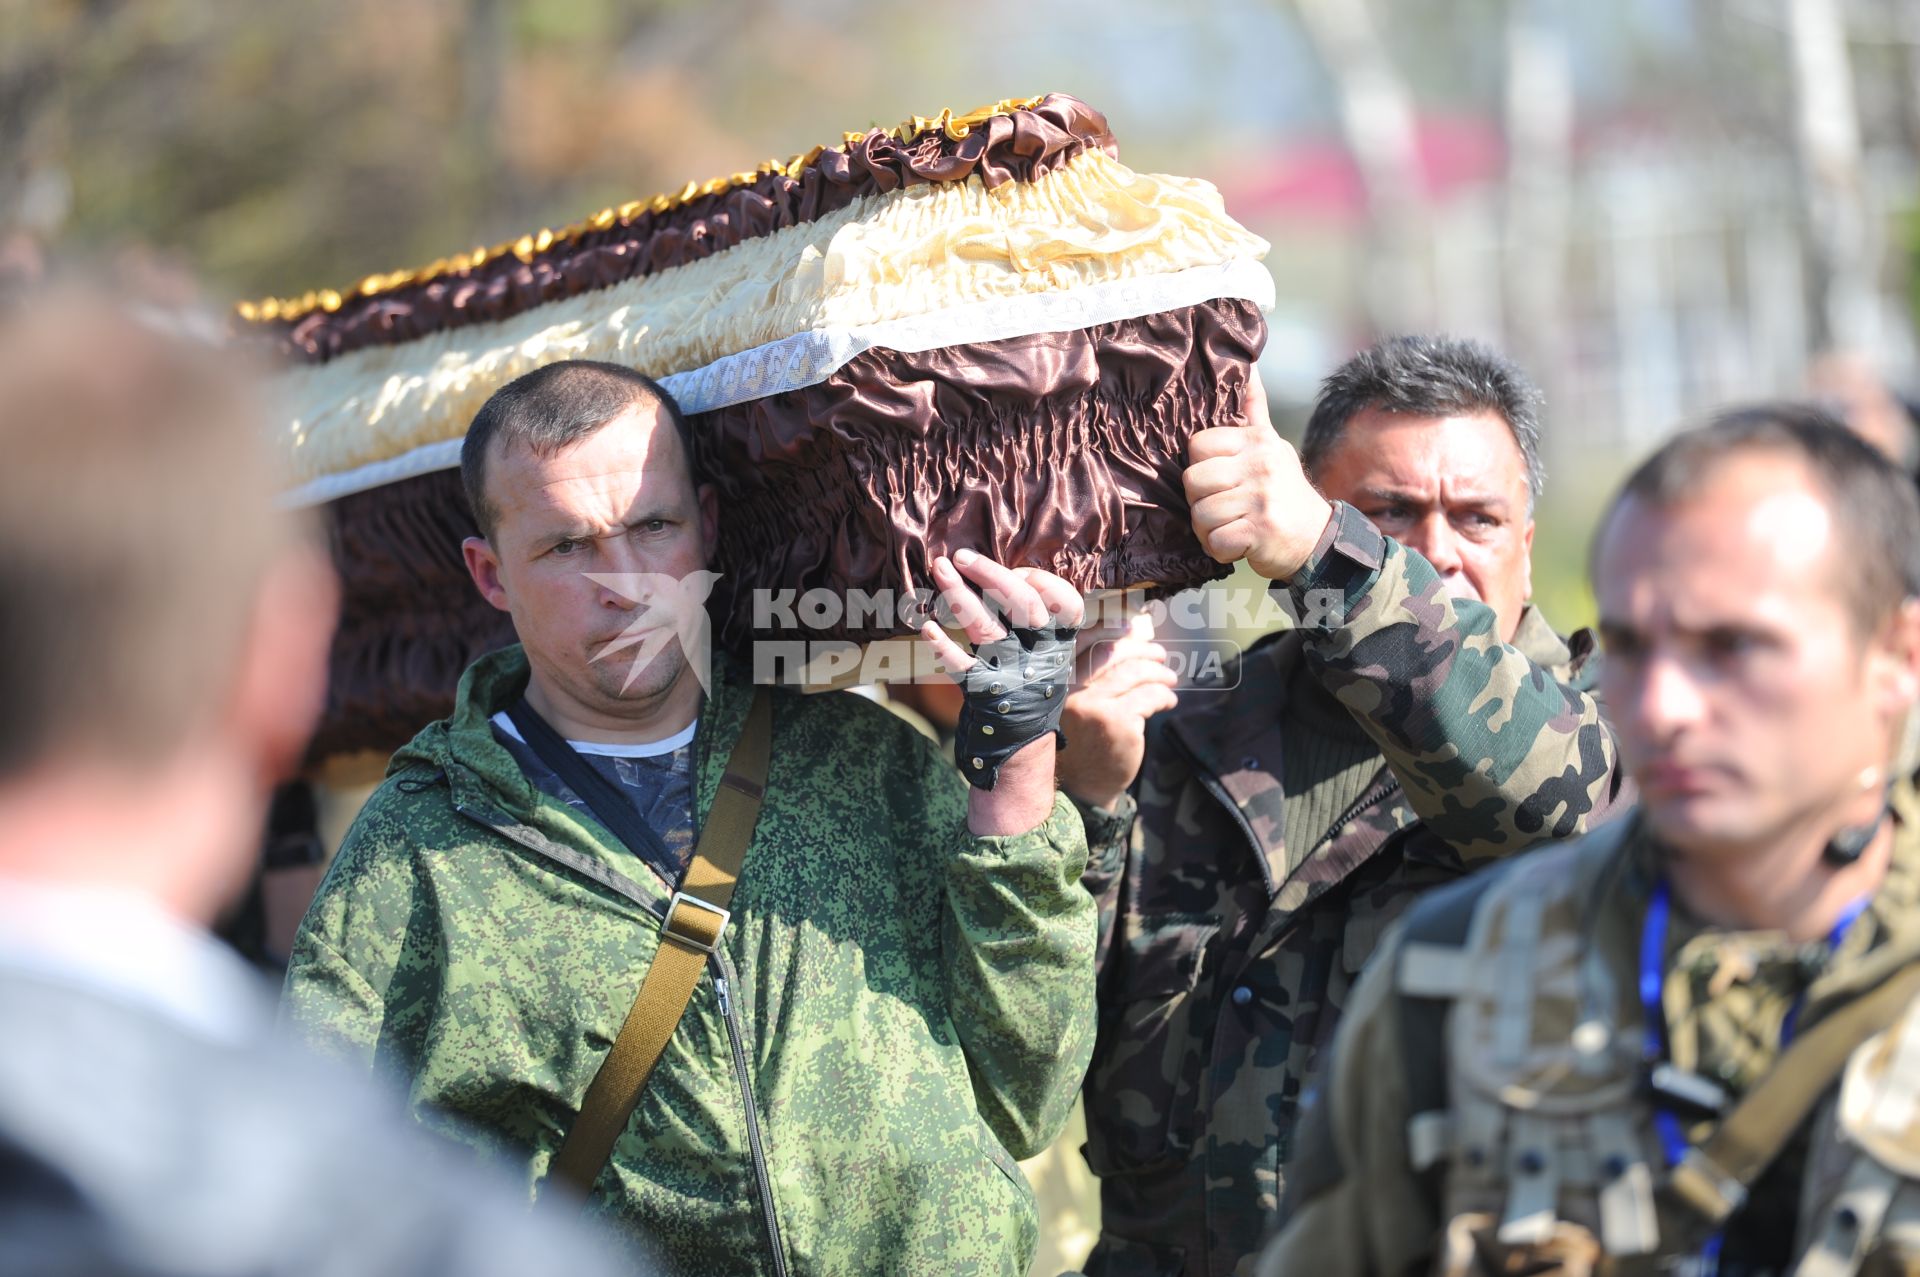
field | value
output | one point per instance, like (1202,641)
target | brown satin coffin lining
(1064,450)
(410,620)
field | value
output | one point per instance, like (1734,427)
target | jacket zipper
(731,1014)
(1364,801)
(728,1012)
(1211,783)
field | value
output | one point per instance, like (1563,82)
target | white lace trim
(807,359)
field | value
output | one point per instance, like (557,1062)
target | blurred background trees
(1657,205)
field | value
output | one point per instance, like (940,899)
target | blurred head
(580,471)
(1436,440)
(1850,388)
(163,629)
(1756,580)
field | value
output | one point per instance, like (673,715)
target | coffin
(976,331)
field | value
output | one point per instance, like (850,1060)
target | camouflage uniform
(906,1008)
(1485,1108)
(1226,955)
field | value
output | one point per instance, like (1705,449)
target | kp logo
(669,608)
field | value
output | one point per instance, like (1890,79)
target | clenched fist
(1251,500)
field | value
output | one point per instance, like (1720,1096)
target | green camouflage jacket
(898,1009)
(1225,958)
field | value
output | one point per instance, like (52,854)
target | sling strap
(602,796)
(696,918)
(1713,1177)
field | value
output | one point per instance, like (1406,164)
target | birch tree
(1377,118)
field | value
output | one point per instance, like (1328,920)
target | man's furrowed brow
(565,529)
(1392,492)
(1492,505)
(1491,502)
(557,528)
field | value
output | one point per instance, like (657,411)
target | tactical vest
(1538,1131)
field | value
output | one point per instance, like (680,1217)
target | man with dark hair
(1428,722)
(550,408)
(1427,377)
(163,650)
(757,971)
(1687,1041)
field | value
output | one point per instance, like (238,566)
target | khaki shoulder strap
(695,920)
(1713,1178)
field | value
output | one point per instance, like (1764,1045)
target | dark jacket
(1227,955)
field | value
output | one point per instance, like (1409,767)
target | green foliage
(1563,532)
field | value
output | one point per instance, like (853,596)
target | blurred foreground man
(1691,1041)
(1421,721)
(883,979)
(163,642)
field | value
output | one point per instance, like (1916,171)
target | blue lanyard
(1653,943)
(1841,925)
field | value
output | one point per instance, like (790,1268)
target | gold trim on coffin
(527,247)
(884,259)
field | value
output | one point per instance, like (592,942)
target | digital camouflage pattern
(1528,1122)
(1226,955)
(916,1002)
(1065,1193)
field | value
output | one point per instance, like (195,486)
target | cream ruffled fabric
(884,259)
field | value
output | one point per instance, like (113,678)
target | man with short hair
(1686,1040)
(163,649)
(894,1002)
(1430,722)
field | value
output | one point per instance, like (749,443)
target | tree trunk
(1376,113)
(1841,244)
(476,151)
(1539,130)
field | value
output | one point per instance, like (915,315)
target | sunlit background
(1656,206)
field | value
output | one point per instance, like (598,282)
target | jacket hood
(463,742)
